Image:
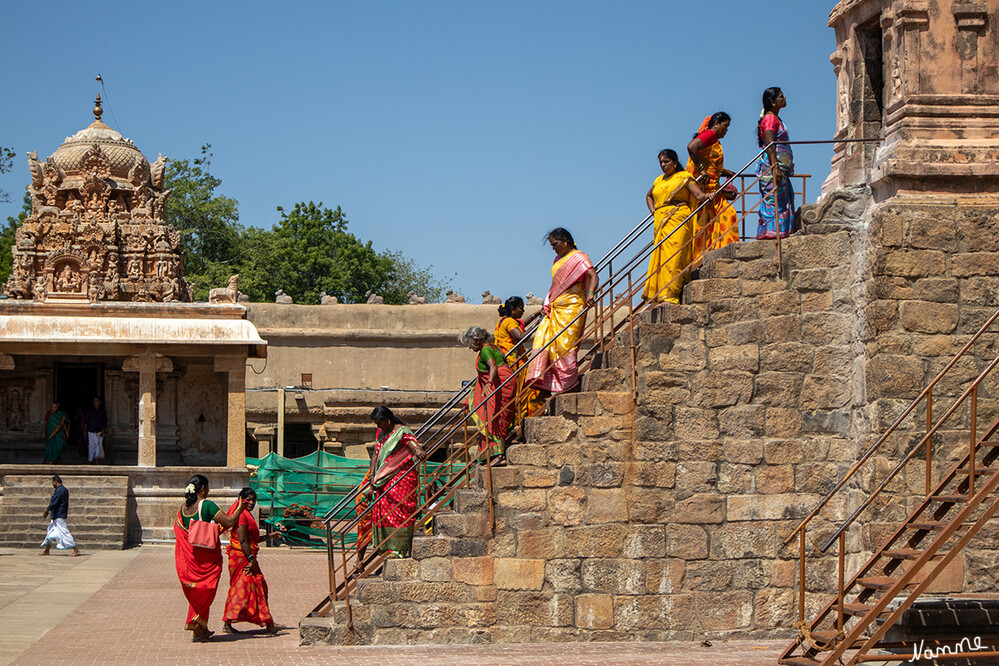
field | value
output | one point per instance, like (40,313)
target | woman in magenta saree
(394,483)
(574,286)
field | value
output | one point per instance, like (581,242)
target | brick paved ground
(137,617)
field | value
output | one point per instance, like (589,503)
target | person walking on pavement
(97,423)
(58,532)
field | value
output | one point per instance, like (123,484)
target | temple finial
(97,108)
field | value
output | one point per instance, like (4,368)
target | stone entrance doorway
(74,387)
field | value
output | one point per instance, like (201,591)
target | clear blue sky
(457,132)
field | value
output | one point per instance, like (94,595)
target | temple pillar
(147,365)
(235,366)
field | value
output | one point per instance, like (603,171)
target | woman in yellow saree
(574,286)
(671,199)
(707,166)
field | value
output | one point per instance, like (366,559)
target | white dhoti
(95,446)
(59,535)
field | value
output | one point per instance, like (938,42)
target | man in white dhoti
(97,423)
(58,532)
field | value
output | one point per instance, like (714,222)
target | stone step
(83,545)
(100,500)
(468,500)
(594,403)
(428,545)
(108,522)
(606,379)
(77,479)
(462,525)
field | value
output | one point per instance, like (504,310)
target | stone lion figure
(228,294)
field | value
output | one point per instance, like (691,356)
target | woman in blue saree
(775,168)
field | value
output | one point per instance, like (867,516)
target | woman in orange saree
(553,368)
(492,400)
(247,598)
(510,331)
(706,164)
(394,483)
(198,568)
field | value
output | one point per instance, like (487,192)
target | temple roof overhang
(70,327)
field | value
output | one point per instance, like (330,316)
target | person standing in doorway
(97,423)
(58,533)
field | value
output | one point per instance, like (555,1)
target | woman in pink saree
(574,287)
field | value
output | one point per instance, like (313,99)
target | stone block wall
(663,518)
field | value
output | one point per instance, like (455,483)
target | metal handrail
(924,394)
(605,290)
(604,314)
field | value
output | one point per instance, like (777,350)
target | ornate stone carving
(373,298)
(489,299)
(452,297)
(531,299)
(414,299)
(281,297)
(326,299)
(97,211)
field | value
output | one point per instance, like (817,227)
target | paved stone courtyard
(125,607)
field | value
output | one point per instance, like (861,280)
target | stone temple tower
(97,231)
(922,76)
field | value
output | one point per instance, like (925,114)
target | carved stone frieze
(96,229)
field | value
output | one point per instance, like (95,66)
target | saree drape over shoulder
(199,570)
(492,416)
(247,598)
(395,501)
(777,206)
(56,425)
(554,368)
(718,219)
(673,204)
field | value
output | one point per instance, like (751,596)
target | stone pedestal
(235,367)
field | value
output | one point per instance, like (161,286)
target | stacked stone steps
(98,508)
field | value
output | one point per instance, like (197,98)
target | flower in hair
(189,488)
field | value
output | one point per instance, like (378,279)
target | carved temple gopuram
(97,306)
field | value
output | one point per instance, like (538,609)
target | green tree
(6,162)
(211,237)
(310,251)
(407,276)
(7,239)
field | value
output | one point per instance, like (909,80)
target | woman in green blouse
(492,411)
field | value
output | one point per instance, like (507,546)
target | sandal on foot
(229,629)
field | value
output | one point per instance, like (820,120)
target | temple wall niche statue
(96,231)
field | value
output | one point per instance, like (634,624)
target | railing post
(842,555)
(929,441)
(801,577)
(974,437)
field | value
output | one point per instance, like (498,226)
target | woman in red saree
(574,286)
(199,569)
(394,483)
(247,598)
(492,410)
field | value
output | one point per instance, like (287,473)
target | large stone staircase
(97,510)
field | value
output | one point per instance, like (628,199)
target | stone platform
(124,607)
(151,494)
